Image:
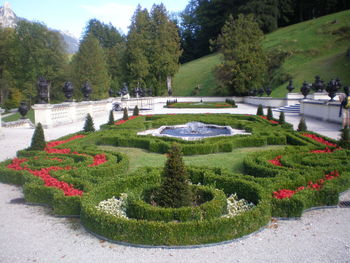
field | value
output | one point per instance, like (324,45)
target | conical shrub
(269,113)
(282,119)
(136,111)
(111,118)
(38,139)
(125,114)
(302,125)
(260,111)
(174,190)
(89,124)
(345,138)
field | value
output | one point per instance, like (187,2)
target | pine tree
(269,113)
(302,125)
(244,61)
(345,138)
(125,114)
(174,190)
(136,111)
(89,124)
(260,111)
(89,65)
(111,118)
(38,139)
(281,119)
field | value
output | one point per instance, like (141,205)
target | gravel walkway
(32,234)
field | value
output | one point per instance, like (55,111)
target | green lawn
(17,116)
(201,105)
(316,48)
(233,161)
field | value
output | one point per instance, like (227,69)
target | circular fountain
(194,131)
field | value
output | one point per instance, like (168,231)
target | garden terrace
(74,174)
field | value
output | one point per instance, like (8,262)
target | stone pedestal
(42,114)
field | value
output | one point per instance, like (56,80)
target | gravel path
(32,234)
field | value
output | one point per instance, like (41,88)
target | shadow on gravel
(19,201)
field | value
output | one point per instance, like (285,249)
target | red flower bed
(286,193)
(98,159)
(319,139)
(49,146)
(271,121)
(276,161)
(123,121)
(44,174)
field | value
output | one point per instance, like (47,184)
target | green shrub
(38,139)
(269,113)
(136,111)
(345,138)
(302,125)
(174,191)
(89,124)
(111,118)
(260,111)
(281,119)
(125,114)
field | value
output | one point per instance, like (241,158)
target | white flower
(114,206)
(236,206)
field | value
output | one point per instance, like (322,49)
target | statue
(68,90)
(43,91)
(111,92)
(124,92)
(305,89)
(86,90)
(290,86)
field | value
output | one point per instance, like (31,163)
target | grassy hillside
(317,46)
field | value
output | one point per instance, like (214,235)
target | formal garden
(278,172)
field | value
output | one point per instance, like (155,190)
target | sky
(72,15)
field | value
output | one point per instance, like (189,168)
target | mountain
(9,19)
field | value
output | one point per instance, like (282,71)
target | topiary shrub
(345,138)
(174,190)
(125,114)
(89,124)
(38,139)
(136,111)
(302,125)
(269,113)
(260,111)
(111,118)
(282,119)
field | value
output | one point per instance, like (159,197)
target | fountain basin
(194,131)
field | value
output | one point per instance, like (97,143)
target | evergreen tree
(244,61)
(174,191)
(166,51)
(281,119)
(136,111)
(89,64)
(137,47)
(111,118)
(38,139)
(125,114)
(269,113)
(260,111)
(89,124)
(302,125)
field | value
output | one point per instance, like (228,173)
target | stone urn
(268,91)
(68,91)
(23,109)
(332,87)
(290,86)
(305,89)
(261,92)
(86,90)
(318,85)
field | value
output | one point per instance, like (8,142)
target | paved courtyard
(32,234)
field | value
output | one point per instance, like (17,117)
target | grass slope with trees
(313,47)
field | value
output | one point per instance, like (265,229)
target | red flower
(98,159)
(319,139)
(276,161)
(271,121)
